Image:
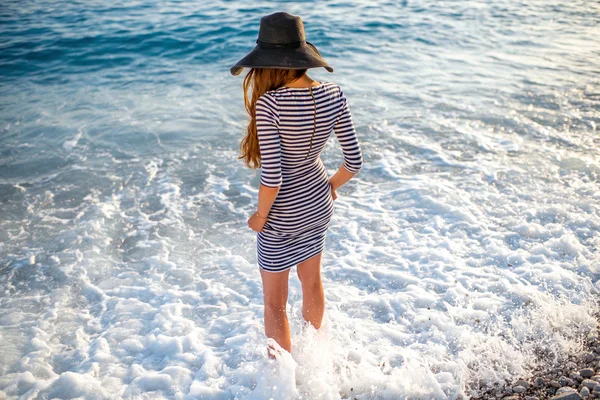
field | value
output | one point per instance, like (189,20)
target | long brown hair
(261,80)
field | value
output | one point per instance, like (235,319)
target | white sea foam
(430,285)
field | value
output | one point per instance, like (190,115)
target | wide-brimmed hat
(281,43)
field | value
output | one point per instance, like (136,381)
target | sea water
(464,254)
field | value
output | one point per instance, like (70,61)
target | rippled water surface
(464,254)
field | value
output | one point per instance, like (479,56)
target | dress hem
(311,255)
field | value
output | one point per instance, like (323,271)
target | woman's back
(285,119)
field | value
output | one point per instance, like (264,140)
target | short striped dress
(293,126)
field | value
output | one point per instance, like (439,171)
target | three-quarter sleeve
(267,126)
(346,135)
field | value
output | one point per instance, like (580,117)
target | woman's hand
(333,193)
(256,222)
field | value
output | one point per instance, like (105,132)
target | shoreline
(578,378)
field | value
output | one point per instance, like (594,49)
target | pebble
(562,380)
(589,383)
(539,381)
(589,357)
(585,392)
(587,372)
(522,382)
(568,396)
(519,389)
(571,365)
(565,390)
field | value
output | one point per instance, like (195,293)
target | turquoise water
(468,242)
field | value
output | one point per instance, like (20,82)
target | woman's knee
(275,303)
(311,283)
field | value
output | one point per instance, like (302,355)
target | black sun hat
(281,43)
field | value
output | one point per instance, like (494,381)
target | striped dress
(285,120)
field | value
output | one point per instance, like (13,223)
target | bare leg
(275,291)
(313,297)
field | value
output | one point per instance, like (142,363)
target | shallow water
(465,249)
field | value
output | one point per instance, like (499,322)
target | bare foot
(273,353)
(274,350)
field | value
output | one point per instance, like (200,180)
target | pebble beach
(577,378)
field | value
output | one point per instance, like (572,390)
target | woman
(292,117)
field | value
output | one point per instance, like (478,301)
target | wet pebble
(587,372)
(589,383)
(523,383)
(539,382)
(562,381)
(565,390)
(589,357)
(519,389)
(567,396)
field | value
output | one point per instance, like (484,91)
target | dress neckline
(304,88)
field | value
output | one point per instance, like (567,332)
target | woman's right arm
(346,135)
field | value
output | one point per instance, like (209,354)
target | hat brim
(305,56)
